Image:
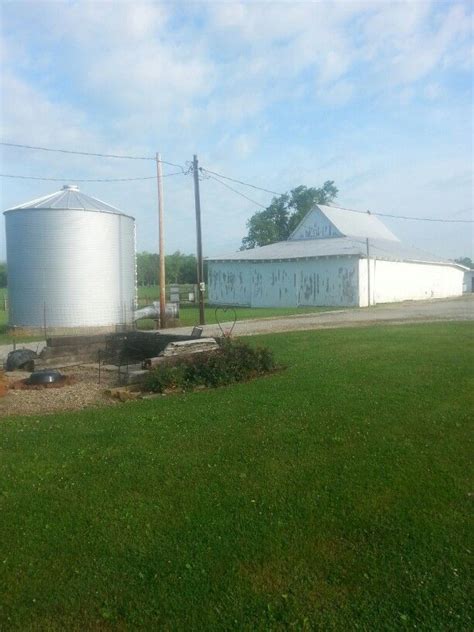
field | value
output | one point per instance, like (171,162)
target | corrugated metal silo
(71,263)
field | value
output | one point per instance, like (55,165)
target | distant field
(333,495)
(152,292)
(189,313)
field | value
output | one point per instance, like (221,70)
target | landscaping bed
(82,390)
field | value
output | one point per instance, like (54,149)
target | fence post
(44,319)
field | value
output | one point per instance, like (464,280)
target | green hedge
(234,361)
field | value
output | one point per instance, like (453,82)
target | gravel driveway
(459,308)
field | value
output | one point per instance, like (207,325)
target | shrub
(234,361)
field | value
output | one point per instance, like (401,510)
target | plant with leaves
(234,361)
(180,268)
(278,221)
(465,261)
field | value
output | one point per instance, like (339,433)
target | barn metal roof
(349,223)
(357,224)
(68,198)
(334,247)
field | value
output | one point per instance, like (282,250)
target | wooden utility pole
(161,231)
(200,263)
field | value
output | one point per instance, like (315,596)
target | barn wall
(393,281)
(229,283)
(468,285)
(332,281)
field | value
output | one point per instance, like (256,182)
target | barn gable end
(325,222)
(315,225)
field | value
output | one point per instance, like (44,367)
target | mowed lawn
(333,495)
(189,314)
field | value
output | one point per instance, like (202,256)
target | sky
(376,96)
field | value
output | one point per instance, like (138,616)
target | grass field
(189,314)
(333,495)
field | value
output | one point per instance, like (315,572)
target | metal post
(368,271)
(159,177)
(200,263)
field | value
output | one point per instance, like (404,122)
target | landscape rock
(123,394)
(183,347)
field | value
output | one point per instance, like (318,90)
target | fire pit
(45,378)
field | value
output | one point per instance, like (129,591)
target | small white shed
(335,257)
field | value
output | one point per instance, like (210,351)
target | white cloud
(225,79)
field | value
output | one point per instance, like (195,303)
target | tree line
(180,268)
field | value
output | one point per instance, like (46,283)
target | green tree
(147,268)
(465,261)
(180,268)
(278,221)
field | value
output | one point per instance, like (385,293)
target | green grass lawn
(333,495)
(189,314)
(5,336)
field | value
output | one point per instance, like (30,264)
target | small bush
(234,361)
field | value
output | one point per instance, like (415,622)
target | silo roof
(69,198)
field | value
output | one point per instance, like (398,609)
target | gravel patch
(86,392)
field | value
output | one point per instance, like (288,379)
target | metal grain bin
(71,263)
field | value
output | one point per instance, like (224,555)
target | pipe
(150,311)
(153,311)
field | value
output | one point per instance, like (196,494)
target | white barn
(334,257)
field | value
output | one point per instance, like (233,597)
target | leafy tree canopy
(465,261)
(180,268)
(278,221)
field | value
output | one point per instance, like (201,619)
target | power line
(419,219)
(427,219)
(8,175)
(405,217)
(88,153)
(247,184)
(238,192)
(201,169)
